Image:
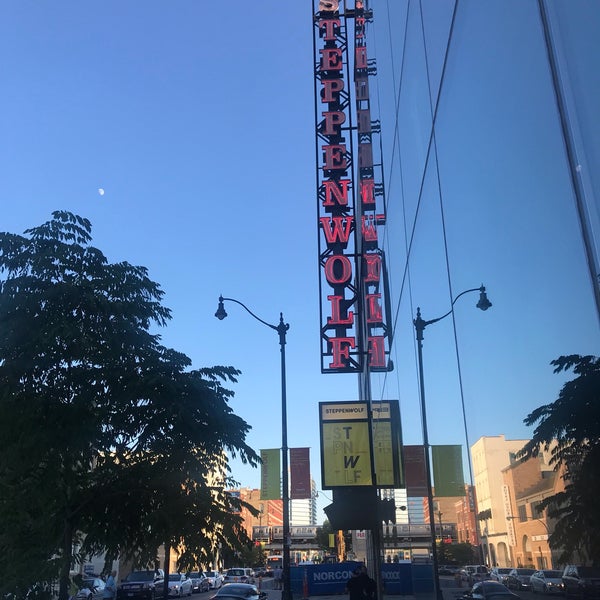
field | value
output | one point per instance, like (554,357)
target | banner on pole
(448,474)
(270,474)
(415,471)
(300,474)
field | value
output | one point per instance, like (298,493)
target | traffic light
(387,510)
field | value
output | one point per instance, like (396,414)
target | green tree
(569,428)
(103,430)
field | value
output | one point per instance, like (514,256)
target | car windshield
(211,574)
(503,570)
(140,576)
(174,576)
(552,574)
(525,571)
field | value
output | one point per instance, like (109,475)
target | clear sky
(196,120)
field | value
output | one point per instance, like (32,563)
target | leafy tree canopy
(569,428)
(109,439)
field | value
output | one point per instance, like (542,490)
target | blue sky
(197,121)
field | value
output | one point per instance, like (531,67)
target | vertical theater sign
(354,296)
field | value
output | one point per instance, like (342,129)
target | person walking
(110,587)
(278,577)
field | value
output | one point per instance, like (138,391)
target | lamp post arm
(420,323)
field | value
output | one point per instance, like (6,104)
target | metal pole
(420,327)
(281,329)
(286,592)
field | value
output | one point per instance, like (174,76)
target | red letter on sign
(340,232)
(334,156)
(331,87)
(329,25)
(341,349)
(332,119)
(333,192)
(374,314)
(376,351)
(373,268)
(336,318)
(331,59)
(367,192)
(338,269)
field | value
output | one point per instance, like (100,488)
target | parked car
(447,570)
(489,589)
(236,575)
(519,579)
(141,584)
(179,585)
(91,589)
(547,581)
(215,579)
(582,583)
(239,591)
(500,574)
(199,581)
(473,573)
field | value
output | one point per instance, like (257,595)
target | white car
(179,585)
(547,581)
(215,579)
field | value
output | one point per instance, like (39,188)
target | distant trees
(570,428)
(110,442)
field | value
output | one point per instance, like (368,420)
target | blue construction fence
(324,580)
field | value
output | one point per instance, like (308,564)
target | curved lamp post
(281,329)
(420,324)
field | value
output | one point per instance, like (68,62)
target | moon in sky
(101,191)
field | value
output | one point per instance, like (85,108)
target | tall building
(304,511)
(490,455)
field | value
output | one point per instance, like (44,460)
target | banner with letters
(358,449)
(300,474)
(270,474)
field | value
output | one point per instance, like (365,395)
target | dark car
(582,583)
(484,590)
(518,579)
(239,591)
(141,584)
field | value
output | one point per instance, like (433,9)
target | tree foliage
(109,440)
(569,428)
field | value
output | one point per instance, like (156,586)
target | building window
(535,513)
(522,508)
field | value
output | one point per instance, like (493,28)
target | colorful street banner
(448,474)
(300,474)
(270,475)
(415,472)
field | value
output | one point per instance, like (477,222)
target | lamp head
(483,303)
(221,314)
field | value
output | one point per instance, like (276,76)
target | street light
(520,519)
(420,324)
(281,329)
